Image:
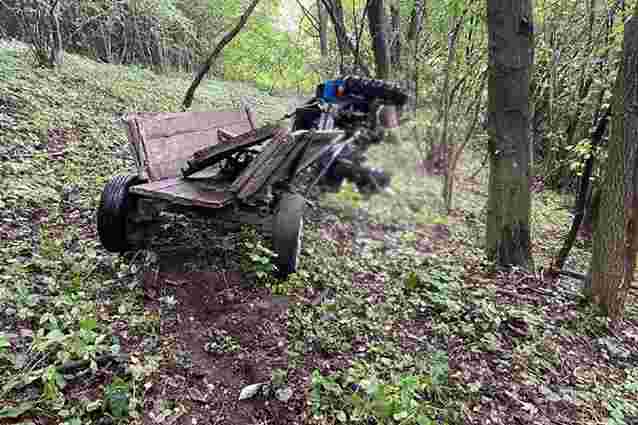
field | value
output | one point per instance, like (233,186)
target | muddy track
(200,296)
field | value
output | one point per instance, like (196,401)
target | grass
(416,327)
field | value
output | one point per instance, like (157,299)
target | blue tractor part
(332,90)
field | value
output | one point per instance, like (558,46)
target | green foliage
(257,257)
(116,396)
(267,56)
(363,394)
(8,62)
(54,276)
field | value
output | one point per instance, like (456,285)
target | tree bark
(413,37)
(378,24)
(607,263)
(188,99)
(445,110)
(631,149)
(511,55)
(416,20)
(616,234)
(323,30)
(395,51)
(56,57)
(448,184)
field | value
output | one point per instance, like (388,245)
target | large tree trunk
(378,23)
(616,233)
(607,263)
(511,55)
(188,99)
(631,147)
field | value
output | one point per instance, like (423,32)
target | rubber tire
(287,233)
(112,214)
(376,89)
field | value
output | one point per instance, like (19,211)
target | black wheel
(379,89)
(287,233)
(113,213)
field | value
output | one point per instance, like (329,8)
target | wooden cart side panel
(137,150)
(185,192)
(168,155)
(188,122)
(162,142)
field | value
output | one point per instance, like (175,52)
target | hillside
(395,318)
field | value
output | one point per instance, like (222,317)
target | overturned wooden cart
(221,164)
(213,163)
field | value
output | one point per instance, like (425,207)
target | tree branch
(596,137)
(188,99)
(307,14)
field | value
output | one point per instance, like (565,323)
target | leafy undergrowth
(62,297)
(395,317)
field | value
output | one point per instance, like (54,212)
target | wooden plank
(167,157)
(169,125)
(184,192)
(162,142)
(264,155)
(267,168)
(156,185)
(212,154)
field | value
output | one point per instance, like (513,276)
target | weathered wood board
(186,192)
(162,142)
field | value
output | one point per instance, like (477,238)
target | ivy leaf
(4,341)
(412,282)
(88,324)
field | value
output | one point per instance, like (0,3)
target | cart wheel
(112,214)
(287,233)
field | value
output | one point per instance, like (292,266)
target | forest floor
(396,317)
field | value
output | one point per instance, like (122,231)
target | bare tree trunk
(414,34)
(378,23)
(416,20)
(445,110)
(448,188)
(188,99)
(323,29)
(56,58)
(395,51)
(581,200)
(344,43)
(511,55)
